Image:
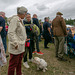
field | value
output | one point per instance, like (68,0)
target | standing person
(35,21)
(40,27)
(2,29)
(46,32)
(6,26)
(59,31)
(17,38)
(52,39)
(73,44)
(30,36)
(3,60)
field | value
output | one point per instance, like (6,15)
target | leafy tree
(70,21)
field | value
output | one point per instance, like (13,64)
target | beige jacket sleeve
(12,32)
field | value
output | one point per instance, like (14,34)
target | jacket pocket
(12,46)
(21,47)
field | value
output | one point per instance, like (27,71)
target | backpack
(35,29)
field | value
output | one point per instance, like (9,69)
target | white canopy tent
(69,26)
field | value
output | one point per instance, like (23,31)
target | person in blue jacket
(46,32)
(2,29)
(73,45)
(36,22)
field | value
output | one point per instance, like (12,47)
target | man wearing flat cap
(17,38)
(59,13)
(59,31)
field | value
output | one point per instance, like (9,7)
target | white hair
(21,10)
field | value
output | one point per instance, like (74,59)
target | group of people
(19,35)
(22,39)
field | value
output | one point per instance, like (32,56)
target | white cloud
(42,8)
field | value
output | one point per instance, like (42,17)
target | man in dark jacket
(40,27)
(59,31)
(46,32)
(35,21)
(2,29)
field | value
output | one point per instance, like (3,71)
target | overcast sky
(42,8)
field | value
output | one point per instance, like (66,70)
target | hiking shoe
(30,60)
(26,65)
(34,52)
(40,53)
(62,59)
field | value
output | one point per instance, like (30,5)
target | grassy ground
(55,67)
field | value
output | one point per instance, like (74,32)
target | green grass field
(55,67)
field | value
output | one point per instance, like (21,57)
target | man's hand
(16,47)
(27,39)
(1,29)
(49,30)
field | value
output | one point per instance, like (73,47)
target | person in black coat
(40,27)
(2,29)
(46,32)
(36,22)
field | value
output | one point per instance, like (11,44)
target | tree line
(70,21)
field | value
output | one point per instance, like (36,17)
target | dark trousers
(15,63)
(4,43)
(47,38)
(32,45)
(46,41)
(40,37)
(37,44)
(30,53)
